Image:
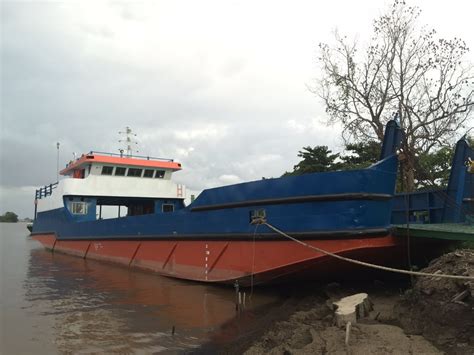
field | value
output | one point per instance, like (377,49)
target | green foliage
(433,169)
(361,155)
(315,160)
(320,158)
(9,217)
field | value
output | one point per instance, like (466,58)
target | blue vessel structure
(454,204)
(212,239)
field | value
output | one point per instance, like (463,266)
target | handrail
(46,190)
(134,156)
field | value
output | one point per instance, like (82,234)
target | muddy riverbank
(442,310)
(433,316)
(312,330)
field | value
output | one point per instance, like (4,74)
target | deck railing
(45,191)
(134,156)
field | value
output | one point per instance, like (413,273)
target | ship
(441,205)
(215,238)
(438,219)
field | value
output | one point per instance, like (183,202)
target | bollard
(348,332)
(236,286)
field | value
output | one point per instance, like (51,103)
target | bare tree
(404,68)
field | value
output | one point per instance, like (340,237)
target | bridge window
(167,207)
(107,170)
(160,174)
(78,174)
(120,171)
(79,208)
(148,173)
(134,172)
(111,211)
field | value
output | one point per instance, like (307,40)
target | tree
(433,169)
(9,217)
(317,159)
(361,155)
(404,68)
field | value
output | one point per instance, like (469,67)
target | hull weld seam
(218,257)
(169,255)
(54,244)
(87,250)
(295,199)
(134,254)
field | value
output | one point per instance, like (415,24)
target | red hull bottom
(227,261)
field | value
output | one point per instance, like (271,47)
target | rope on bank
(358,262)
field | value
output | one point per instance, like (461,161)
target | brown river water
(56,304)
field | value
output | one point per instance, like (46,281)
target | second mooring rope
(358,262)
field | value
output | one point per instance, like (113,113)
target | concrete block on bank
(351,308)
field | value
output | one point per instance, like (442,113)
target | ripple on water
(64,304)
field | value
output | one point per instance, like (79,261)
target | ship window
(160,174)
(134,172)
(120,171)
(167,207)
(78,174)
(148,173)
(79,208)
(107,170)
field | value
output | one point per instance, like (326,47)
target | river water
(55,304)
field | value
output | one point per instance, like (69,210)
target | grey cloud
(72,81)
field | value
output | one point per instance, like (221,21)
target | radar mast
(130,142)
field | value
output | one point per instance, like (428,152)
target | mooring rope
(407,220)
(374,266)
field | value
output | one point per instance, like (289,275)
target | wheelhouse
(101,185)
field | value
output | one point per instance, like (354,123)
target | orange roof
(104,159)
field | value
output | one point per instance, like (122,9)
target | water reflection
(97,307)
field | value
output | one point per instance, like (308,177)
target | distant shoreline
(17,222)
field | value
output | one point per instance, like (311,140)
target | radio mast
(129,140)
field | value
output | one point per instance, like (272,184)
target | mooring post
(236,286)
(348,332)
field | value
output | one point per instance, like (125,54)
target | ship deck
(447,231)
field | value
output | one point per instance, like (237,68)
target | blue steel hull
(319,205)
(451,205)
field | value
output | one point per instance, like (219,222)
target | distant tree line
(9,217)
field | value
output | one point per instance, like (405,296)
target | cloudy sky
(220,86)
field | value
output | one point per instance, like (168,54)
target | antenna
(129,141)
(57,161)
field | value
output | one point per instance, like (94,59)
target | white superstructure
(113,179)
